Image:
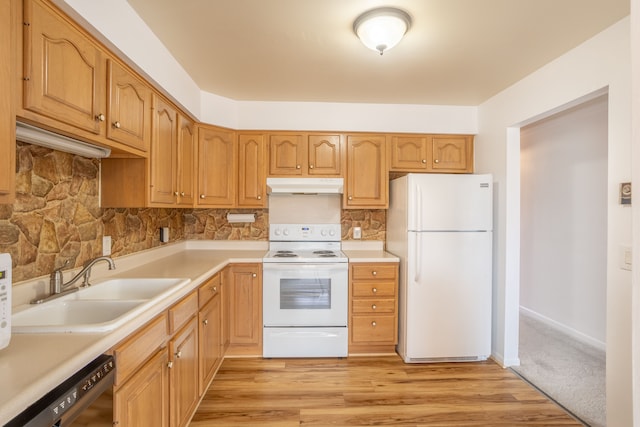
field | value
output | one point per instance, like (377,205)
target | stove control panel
(305,232)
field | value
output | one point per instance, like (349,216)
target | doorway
(563,257)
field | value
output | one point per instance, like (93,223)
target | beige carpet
(568,371)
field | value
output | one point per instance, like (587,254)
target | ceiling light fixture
(382,28)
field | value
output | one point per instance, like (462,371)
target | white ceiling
(457,52)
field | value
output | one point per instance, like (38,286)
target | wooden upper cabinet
(452,153)
(187,162)
(305,155)
(409,153)
(251,171)
(7,113)
(324,154)
(128,108)
(163,161)
(367,177)
(286,155)
(64,76)
(216,167)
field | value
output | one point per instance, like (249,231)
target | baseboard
(577,335)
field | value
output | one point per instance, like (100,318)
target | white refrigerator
(440,226)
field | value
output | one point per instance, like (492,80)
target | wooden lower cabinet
(184,391)
(143,399)
(210,327)
(244,284)
(373,308)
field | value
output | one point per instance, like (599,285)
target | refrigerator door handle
(418,210)
(418,252)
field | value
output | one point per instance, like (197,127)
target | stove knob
(277,232)
(332,233)
(285,232)
(323,233)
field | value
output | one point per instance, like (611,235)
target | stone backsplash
(56,219)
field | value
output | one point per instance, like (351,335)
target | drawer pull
(375,273)
(213,288)
(374,290)
(373,323)
(374,306)
(205,322)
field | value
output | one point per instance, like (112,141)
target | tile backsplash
(57,218)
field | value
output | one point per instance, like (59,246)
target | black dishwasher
(62,405)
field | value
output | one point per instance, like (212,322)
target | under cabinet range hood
(37,136)
(305,185)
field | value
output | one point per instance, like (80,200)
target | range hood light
(44,138)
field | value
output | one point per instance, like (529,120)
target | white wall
(602,64)
(563,220)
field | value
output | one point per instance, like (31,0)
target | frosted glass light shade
(383,28)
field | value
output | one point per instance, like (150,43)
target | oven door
(298,294)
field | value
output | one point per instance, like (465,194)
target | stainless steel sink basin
(126,289)
(98,308)
(71,315)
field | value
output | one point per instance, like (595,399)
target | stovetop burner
(285,254)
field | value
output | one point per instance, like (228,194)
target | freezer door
(448,300)
(445,202)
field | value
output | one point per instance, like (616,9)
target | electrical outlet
(164,234)
(357,233)
(106,245)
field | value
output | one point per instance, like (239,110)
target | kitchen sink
(95,309)
(129,289)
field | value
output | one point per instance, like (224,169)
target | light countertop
(33,364)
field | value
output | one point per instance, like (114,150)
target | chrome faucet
(56,284)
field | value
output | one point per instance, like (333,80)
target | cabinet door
(209,333)
(216,170)
(7,113)
(324,155)
(251,171)
(367,182)
(183,374)
(163,153)
(409,153)
(187,160)
(286,155)
(64,71)
(128,107)
(143,400)
(452,153)
(245,311)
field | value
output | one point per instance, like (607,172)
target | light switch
(626,258)
(106,245)
(357,233)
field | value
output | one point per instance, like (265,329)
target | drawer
(366,306)
(373,271)
(139,347)
(373,329)
(208,290)
(373,289)
(182,311)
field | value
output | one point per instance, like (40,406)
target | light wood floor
(365,391)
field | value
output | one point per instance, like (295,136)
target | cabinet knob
(176,193)
(205,322)
(202,196)
(298,166)
(375,273)
(254,275)
(213,289)
(170,365)
(178,354)
(424,160)
(350,197)
(373,323)
(259,197)
(374,290)
(373,307)
(100,117)
(436,161)
(182,193)
(310,166)
(116,125)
